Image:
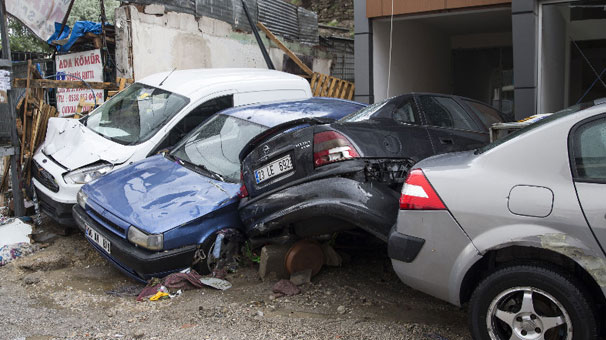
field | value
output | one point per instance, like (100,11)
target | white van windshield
(135,114)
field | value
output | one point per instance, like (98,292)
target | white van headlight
(82,199)
(87,174)
(151,242)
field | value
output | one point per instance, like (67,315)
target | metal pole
(253,27)
(15,167)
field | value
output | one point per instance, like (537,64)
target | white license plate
(98,239)
(273,169)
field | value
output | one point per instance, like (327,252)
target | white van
(149,116)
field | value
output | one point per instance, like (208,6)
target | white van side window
(194,118)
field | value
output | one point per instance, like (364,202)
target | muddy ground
(60,292)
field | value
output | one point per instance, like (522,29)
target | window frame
(159,145)
(465,101)
(415,111)
(472,117)
(572,150)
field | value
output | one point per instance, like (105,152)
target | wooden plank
(66,84)
(333,84)
(344,90)
(286,50)
(314,81)
(321,79)
(352,92)
(36,127)
(121,84)
(337,93)
(324,89)
(6,167)
(27,89)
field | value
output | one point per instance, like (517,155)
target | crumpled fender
(535,236)
(73,145)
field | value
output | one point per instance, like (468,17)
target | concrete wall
(161,40)
(421,59)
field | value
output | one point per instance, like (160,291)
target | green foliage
(90,10)
(22,39)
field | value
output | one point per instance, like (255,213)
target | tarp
(80,29)
(38,15)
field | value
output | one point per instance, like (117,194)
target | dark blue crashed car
(166,213)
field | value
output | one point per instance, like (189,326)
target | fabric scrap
(10,252)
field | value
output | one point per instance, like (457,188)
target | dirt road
(60,292)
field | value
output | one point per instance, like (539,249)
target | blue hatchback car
(163,214)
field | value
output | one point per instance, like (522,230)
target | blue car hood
(157,194)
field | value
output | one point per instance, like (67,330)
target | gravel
(61,292)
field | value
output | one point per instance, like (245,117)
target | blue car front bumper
(138,263)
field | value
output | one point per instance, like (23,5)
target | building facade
(521,56)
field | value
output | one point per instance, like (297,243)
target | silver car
(516,229)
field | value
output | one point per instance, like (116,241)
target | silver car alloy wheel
(530,314)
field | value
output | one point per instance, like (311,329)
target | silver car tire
(531,303)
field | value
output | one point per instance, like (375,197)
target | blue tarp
(80,29)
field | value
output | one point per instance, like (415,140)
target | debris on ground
(301,278)
(331,257)
(175,283)
(13,230)
(10,252)
(161,294)
(286,288)
(125,291)
(32,278)
(45,262)
(271,262)
(303,255)
(341,310)
(216,283)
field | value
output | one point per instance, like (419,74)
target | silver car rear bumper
(438,265)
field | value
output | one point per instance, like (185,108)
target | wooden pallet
(327,86)
(321,85)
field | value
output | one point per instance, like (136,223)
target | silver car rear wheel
(527,313)
(531,302)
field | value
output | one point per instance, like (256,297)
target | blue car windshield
(216,144)
(135,114)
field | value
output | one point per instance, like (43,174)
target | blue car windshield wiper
(201,167)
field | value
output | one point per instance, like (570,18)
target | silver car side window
(590,150)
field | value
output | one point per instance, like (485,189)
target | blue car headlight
(148,241)
(82,199)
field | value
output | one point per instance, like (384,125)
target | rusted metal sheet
(240,21)
(308,26)
(280,17)
(218,9)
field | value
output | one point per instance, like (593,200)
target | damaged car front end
(179,210)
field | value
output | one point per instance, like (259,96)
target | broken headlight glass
(88,174)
